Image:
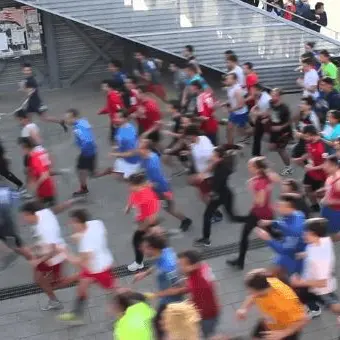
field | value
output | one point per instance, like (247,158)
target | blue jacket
(84,137)
(292,228)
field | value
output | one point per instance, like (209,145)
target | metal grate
(121,271)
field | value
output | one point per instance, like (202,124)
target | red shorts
(106,279)
(205,186)
(158,90)
(53,271)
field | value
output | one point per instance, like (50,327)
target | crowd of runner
(300,228)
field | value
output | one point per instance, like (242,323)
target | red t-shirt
(251,80)
(39,163)
(133,100)
(146,202)
(315,154)
(205,108)
(114,103)
(203,293)
(332,191)
(151,115)
(257,184)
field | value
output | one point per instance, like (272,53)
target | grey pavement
(21,318)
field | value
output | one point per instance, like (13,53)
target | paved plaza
(21,318)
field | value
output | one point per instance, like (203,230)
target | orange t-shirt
(281,306)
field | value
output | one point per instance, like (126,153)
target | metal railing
(323,29)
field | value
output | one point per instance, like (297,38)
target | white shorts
(120,165)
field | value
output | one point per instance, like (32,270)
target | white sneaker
(287,170)
(135,266)
(52,305)
(313,313)
(24,194)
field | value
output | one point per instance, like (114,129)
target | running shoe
(235,264)
(52,305)
(223,121)
(313,313)
(185,225)
(133,267)
(72,318)
(80,193)
(286,171)
(202,242)
(216,219)
(24,194)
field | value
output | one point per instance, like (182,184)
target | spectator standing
(319,16)
(303,11)
(290,7)
(329,69)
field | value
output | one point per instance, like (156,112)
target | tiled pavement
(21,318)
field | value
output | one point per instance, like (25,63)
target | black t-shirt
(280,115)
(32,81)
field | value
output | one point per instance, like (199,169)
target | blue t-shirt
(199,78)
(84,137)
(127,140)
(153,169)
(150,66)
(119,78)
(167,274)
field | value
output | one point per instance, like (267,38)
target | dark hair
(191,67)
(294,185)
(333,159)
(190,48)
(229,52)
(197,84)
(142,88)
(192,130)
(31,207)
(257,281)
(249,65)
(74,112)
(128,299)
(328,80)
(110,83)
(156,241)
(141,52)
(310,130)
(193,256)
(117,63)
(26,142)
(81,215)
(289,198)
(325,53)
(308,100)
(137,179)
(318,5)
(124,113)
(317,226)
(258,86)
(26,65)
(233,75)
(21,114)
(311,44)
(308,61)
(335,114)
(175,104)
(232,57)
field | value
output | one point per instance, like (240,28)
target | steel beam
(51,50)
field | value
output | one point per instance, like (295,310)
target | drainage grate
(121,271)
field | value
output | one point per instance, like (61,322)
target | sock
(83,188)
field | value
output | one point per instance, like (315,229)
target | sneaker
(313,313)
(52,305)
(63,125)
(315,208)
(235,264)
(286,171)
(223,121)
(133,267)
(216,219)
(202,242)
(72,318)
(80,193)
(24,194)
(185,225)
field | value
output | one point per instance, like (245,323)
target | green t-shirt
(330,70)
(136,324)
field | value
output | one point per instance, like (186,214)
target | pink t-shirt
(256,184)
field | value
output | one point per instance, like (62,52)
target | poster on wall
(20,32)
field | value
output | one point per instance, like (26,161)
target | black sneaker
(235,264)
(185,225)
(63,125)
(315,208)
(80,193)
(202,242)
(216,219)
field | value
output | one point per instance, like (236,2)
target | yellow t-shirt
(281,306)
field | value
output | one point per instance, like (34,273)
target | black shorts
(154,136)
(112,134)
(35,104)
(261,327)
(8,232)
(299,149)
(25,162)
(313,183)
(280,139)
(88,163)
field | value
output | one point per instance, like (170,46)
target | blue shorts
(333,217)
(240,120)
(290,265)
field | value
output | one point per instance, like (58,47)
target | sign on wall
(20,32)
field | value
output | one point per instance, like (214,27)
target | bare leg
(44,283)
(230,133)
(46,118)
(105,172)
(284,156)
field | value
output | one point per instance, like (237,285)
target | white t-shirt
(264,102)
(241,79)
(320,265)
(94,241)
(202,152)
(232,99)
(47,232)
(311,78)
(28,129)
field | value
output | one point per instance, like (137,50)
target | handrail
(336,33)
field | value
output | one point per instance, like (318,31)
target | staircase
(212,26)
